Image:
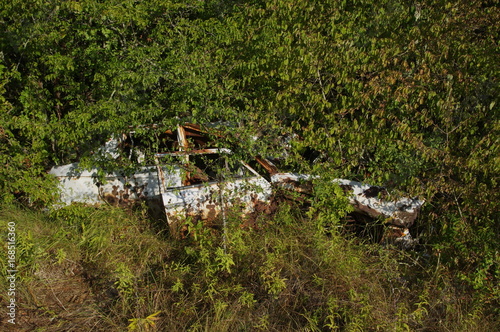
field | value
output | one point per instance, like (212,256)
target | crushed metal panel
(375,202)
(371,200)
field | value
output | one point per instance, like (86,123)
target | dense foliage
(398,93)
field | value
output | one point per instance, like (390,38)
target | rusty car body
(193,179)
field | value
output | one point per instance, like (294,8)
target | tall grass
(285,274)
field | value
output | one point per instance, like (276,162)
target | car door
(208,185)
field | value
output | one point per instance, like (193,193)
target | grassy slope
(105,269)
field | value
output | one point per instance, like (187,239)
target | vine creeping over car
(193,178)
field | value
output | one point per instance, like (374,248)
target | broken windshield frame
(205,166)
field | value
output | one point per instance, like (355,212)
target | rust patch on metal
(268,166)
(404,218)
(346,188)
(375,191)
(366,209)
(305,187)
(211,212)
(123,197)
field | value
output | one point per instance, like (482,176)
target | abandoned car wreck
(194,179)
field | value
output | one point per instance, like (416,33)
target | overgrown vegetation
(105,269)
(396,93)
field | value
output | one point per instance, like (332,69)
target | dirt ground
(59,298)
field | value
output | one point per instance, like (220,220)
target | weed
(294,272)
(143,324)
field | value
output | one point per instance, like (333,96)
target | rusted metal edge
(268,166)
(194,152)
